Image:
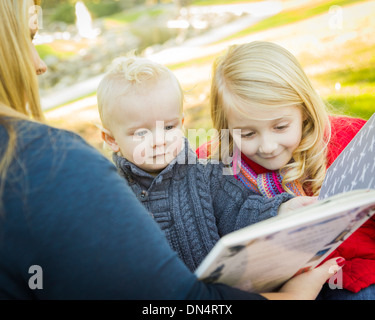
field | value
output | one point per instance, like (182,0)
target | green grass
(290,16)
(193,62)
(199,119)
(362,105)
(45,50)
(91,94)
(351,76)
(127,17)
(357,83)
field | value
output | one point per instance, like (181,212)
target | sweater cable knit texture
(195,204)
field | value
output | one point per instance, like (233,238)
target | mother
(70,228)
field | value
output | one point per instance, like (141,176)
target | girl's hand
(307,286)
(296,203)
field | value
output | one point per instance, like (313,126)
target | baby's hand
(296,203)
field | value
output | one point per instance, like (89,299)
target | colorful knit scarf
(268,184)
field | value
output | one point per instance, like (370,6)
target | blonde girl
(257,81)
(263,77)
(285,135)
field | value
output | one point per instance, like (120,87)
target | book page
(354,168)
(263,263)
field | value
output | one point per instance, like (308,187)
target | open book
(265,255)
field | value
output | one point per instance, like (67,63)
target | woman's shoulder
(44,149)
(52,165)
(31,132)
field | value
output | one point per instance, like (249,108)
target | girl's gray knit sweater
(195,204)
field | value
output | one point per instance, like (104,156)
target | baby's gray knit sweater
(195,204)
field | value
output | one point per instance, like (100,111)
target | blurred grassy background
(340,63)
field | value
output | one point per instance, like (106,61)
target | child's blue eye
(140,133)
(168,128)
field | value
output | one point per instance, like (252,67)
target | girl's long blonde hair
(19,93)
(264,75)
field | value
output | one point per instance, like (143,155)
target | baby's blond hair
(126,74)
